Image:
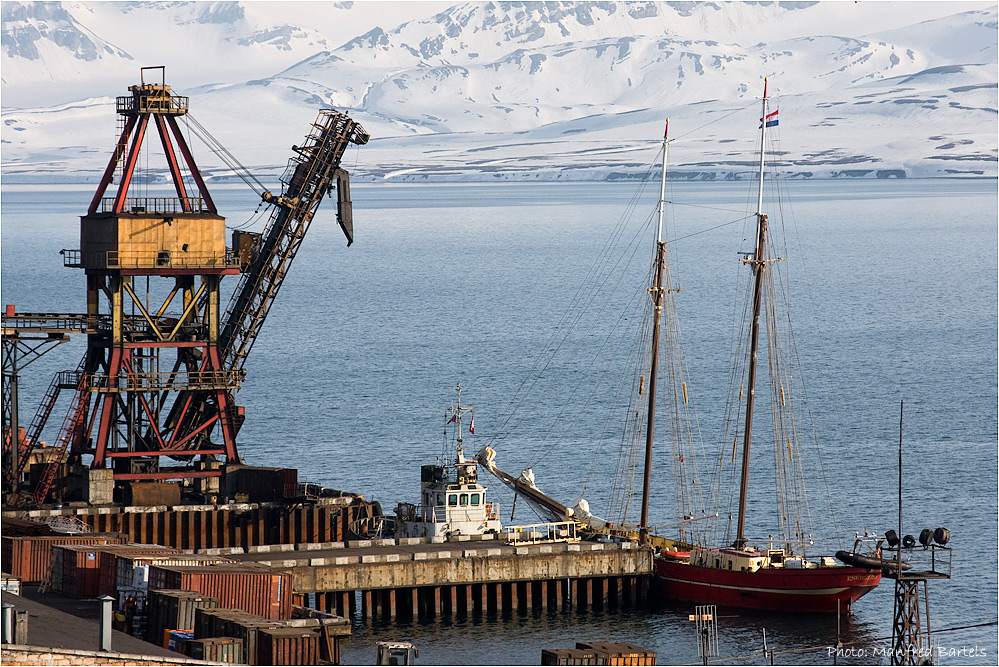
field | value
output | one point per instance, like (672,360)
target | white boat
(453,501)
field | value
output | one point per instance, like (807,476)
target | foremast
(456,412)
(758,262)
(657,296)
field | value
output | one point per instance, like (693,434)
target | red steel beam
(133,156)
(128,476)
(109,172)
(162,452)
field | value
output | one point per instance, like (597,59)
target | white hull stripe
(777,591)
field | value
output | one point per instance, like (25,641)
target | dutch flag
(771,119)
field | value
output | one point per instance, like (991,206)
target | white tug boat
(453,502)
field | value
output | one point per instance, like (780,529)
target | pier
(413,577)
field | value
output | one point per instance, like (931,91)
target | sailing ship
(453,501)
(747,575)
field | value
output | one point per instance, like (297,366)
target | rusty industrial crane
(159,376)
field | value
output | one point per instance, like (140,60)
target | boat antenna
(657,296)
(759,265)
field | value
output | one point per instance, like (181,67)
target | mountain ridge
(476,76)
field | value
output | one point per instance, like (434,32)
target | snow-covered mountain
(519,90)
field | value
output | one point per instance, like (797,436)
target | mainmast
(657,296)
(759,266)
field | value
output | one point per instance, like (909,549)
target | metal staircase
(74,420)
(61,380)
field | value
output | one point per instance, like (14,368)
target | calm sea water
(896,298)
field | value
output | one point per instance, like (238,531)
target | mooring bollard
(104,631)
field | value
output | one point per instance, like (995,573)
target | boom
(311,174)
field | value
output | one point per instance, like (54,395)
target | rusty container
(76,570)
(233,623)
(568,656)
(215,649)
(132,569)
(618,653)
(173,609)
(253,588)
(112,557)
(30,557)
(214,622)
(288,646)
(72,572)
(149,494)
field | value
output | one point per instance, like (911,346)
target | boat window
(452,499)
(730,565)
(464,499)
(475,499)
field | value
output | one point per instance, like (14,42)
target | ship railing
(561,531)
(163,381)
(151,99)
(145,259)
(156,205)
(455,513)
(932,561)
(54,323)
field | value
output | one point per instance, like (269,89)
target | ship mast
(456,412)
(759,266)
(657,296)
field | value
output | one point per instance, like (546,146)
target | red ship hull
(777,589)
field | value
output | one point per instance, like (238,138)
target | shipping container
(215,649)
(568,656)
(252,588)
(29,558)
(132,569)
(76,570)
(213,622)
(618,653)
(234,623)
(89,570)
(173,609)
(288,646)
(11,585)
(149,494)
(174,639)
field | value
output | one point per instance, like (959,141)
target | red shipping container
(90,570)
(30,558)
(126,564)
(252,588)
(287,646)
(80,570)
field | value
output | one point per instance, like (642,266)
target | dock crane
(126,410)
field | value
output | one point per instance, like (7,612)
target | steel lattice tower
(150,351)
